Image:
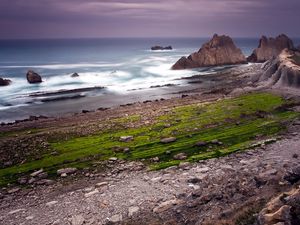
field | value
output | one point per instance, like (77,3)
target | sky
(147,18)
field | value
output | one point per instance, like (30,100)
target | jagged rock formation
(284,209)
(4,82)
(282,71)
(157,47)
(33,77)
(220,50)
(270,47)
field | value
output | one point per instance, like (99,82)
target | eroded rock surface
(282,71)
(220,50)
(270,47)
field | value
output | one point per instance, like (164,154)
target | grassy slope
(189,124)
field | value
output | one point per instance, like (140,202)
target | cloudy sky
(147,18)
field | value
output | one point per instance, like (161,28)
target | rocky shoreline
(121,192)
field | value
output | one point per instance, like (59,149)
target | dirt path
(188,194)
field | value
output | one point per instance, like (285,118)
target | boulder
(4,82)
(66,171)
(270,47)
(282,71)
(157,47)
(33,77)
(75,75)
(220,50)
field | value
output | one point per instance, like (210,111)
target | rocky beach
(214,148)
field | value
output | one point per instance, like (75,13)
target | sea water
(118,64)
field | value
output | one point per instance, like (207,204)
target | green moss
(189,124)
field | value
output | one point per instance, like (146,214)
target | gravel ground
(199,192)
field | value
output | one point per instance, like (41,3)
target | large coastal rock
(282,71)
(33,77)
(270,47)
(220,50)
(4,82)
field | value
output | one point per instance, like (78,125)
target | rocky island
(220,50)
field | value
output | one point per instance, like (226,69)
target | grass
(235,122)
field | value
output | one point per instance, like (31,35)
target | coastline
(79,100)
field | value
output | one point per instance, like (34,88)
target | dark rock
(194,180)
(4,82)
(85,111)
(220,50)
(157,47)
(75,75)
(293,175)
(33,77)
(270,47)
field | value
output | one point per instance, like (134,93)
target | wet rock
(157,47)
(66,171)
(4,82)
(75,75)
(168,140)
(33,77)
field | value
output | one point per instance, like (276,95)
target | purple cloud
(105,18)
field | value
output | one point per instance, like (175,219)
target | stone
(201,144)
(13,190)
(101,184)
(4,82)
(126,138)
(164,206)
(33,77)
(22,180)
(168,140)
(116,218)
(15,211)
(269,48)
(220,50)
(52,203)
(36,173)
(89,194)
(77,220)
(293,175)
(180,156)
(133,210)
(66,171)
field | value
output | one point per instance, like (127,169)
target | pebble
(133,210)
(89,194)
(51,203)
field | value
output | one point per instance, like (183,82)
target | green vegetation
(235,122)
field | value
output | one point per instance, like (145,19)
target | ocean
(118,64)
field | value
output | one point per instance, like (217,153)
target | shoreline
(78,100)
